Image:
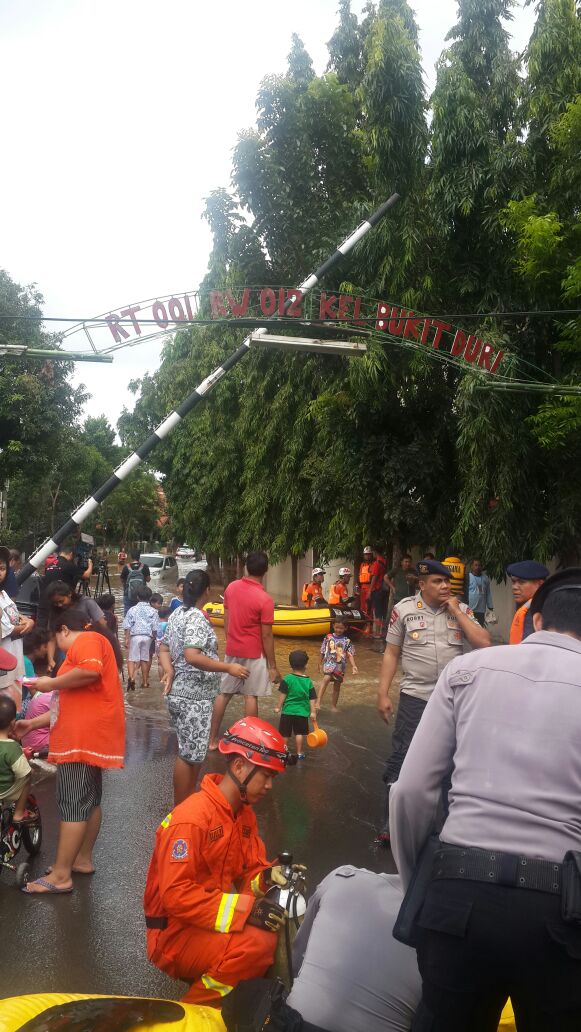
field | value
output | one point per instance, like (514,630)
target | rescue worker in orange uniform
(457,568)
(313,592)
(339,593)
(365,578)
(526,578)
(207,920)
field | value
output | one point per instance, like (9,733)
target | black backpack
(135,581)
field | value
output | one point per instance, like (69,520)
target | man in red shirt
(248,620)
(378,597)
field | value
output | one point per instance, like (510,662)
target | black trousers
(409,714)
(480,944)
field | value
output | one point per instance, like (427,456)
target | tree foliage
(38,401)
(291,452)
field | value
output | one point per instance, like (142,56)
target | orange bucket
(317,738)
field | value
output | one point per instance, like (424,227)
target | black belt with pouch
(442,861)
(405,927)
(571,888)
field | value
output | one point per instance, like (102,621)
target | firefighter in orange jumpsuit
(207,920)
(365,578)
(339,593)
(313,591)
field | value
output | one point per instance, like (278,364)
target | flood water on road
(325,811)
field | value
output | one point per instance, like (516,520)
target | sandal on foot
(28,818)
(47,887)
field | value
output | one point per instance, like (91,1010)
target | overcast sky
(118,118)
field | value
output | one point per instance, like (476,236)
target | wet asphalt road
(324,811)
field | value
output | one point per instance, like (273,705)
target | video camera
(82,553)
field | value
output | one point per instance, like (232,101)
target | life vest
(457,575)
(311,592)
(338,594)
(517,627)
(365,572)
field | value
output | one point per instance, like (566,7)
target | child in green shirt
(15,769)
(297,698)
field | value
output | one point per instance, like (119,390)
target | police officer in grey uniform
(350,974)
(502,913)
(427,630)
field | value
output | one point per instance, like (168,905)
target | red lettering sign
(160,315)
(130,312)
(217,306)
(267,301)
(326,307)
(239,309)
(287,303)
(119,333)
(473,345)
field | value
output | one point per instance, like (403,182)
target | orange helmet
(256,741)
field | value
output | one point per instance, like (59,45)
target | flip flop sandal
(27,819)
(51,890)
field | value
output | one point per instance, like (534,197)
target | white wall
(278,580)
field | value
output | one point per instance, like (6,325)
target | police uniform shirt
(428,638)
(351,974)
(507,721)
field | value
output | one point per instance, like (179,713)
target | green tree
(291,452)
(301,170)
(132,512)
(476,157)
(101,434)
(346,48)
(38,401)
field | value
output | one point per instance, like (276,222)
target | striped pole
(80,515)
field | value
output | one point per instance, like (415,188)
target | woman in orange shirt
(87,735)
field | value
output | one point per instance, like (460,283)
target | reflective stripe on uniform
(215,986)
(226,911)
(166,821)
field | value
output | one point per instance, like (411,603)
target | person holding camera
(64,569)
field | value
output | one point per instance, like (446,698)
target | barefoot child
(297,697)
(15,769)
(336,647)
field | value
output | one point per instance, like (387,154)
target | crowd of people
(483,784)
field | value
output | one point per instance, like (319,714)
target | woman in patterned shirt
(189,658)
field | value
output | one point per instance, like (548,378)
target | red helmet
(257,741)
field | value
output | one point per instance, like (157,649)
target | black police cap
(428,567)
(528,569)
(569,578)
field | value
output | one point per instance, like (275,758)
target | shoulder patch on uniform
(216,833)
(166,821)
(394,616)
(246,831)
(461,677)
(180,849)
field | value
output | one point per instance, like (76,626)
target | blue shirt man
(479,593)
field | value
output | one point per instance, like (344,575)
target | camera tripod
(103,585)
